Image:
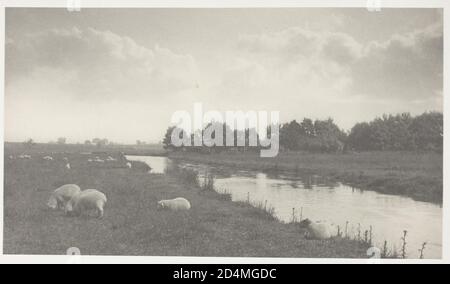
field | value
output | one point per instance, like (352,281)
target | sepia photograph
(242,132)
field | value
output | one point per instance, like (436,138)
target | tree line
(401,132)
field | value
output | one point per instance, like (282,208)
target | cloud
(98,65)
(335,65)
(408,66)
(295,63)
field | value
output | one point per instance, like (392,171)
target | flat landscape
(132,224)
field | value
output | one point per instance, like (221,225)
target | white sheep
(66,159)
(129,165)
(86,200)
(177,204)
(11,157)
(68,166)
(48,158)
(316,231)
(62,195)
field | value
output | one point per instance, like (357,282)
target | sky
(121,73)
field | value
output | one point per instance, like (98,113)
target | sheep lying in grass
(316,231)
(48,158)
(177,204)
(25,157)
(85,201)
(62,195)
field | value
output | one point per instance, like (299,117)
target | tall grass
(188,176)
(208,182)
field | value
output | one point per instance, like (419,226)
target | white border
(229,4)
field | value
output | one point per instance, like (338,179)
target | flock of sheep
(46,158)
(75,202)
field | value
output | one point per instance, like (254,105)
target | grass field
(132,224)
(416,175)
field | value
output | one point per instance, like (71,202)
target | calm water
(335,203)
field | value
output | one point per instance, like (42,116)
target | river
(318,199)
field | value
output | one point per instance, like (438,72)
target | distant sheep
(25,157)
(11,157)
(66,159)
(48,158)
(111,159)
(316,231)
(177,204)
(129,165)
(68,166)
(62,195)
(85,201)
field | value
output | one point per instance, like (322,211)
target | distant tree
(167,141)
(87,142)
(318,136)
(29,143)
(399,133)
(427,131)
(328,136)
(100,142)
(359,138)
(61,140)
(138,142)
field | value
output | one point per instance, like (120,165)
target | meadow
(132,225)
(412,174)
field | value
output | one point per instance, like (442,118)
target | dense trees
(387,133)
(318,136)
(399,132)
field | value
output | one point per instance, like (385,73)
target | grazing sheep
(177,204)
(68,166)
(129,165)
(62,195)
(66,159)
(24,157)
(86,200)
(48,158)
(317,231)
(111,159)
(90,160)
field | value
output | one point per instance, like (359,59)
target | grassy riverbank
(416,175)
(132,225)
